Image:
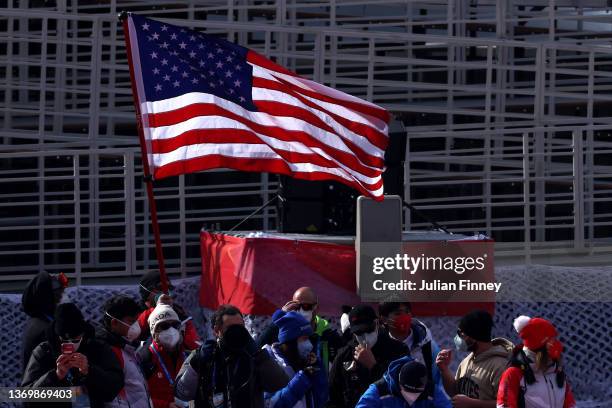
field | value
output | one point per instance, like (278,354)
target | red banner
(260,274)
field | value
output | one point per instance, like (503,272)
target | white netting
(585,328)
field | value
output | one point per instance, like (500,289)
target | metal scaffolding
(505,108)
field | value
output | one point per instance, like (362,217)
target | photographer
(72,357)
(229,371)
(295,352)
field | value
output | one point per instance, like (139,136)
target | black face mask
(237,339)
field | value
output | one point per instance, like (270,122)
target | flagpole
(148,178)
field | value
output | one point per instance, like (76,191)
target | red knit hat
(537,333)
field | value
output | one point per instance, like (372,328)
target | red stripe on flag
(282,109)
(379,113)
(375,137)
(258,59)
(260,165)
(228,136)
(204,109)
(354,106)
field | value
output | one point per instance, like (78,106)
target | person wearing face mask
(535,378)
(476,381)
(161,360)
(404,385)
(40,297)
(120,331)
(230,371)
(72,357)
(150,289)
(295,352)
(363,360)
(398,321)
(327,339)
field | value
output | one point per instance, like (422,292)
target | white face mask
(307,314)
(368,339)
(169,338)
(410,397)
(133,331)
(460,344)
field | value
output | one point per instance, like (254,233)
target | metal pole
(145,164)
(578,186)
(77,219)
(182,194)
(371,67)
(526,204)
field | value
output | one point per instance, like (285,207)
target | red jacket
(161,388)
(544,393)
(191,340)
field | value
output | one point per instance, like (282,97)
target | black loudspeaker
(393,177)
(302,217)
(316,207)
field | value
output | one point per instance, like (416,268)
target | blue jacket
(300,387)
(372,398)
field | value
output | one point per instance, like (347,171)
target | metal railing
(522,127)
(535,199)
(85,212)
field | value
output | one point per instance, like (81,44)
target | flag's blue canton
(176,61)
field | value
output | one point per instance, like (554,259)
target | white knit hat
(162,313)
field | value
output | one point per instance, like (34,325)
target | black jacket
(103,381)
(38,303)
(346,387)
(249,376)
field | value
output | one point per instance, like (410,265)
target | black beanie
(477,324)
(69,322)
(149,281)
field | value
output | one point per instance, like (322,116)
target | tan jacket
(478,377)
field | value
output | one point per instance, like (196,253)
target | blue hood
(392,374)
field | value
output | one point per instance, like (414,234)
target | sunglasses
(166,325)
(76,340)
(307,306)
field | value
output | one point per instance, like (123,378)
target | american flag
(205,103)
